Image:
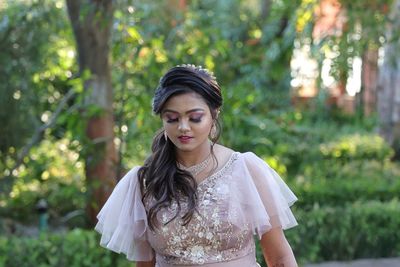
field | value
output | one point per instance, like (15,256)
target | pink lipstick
(184,139)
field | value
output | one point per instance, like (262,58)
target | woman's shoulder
(227,151)
(252,158)
(224,154)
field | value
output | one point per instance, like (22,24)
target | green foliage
(35,63)
(357,147)
(249,54)
(349,183)
(56,175)
(302,147)
(332,161)
(363,29)
(77,248)
(351,167)
(354,231)
(357,230)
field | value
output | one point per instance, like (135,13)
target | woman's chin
(190,146)
(185,148)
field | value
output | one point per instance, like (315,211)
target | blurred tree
(344,32)
(389,78)
(365,33)
(35,59)
(265,9)
(369,79)
(91,22)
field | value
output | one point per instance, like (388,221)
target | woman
(195,202)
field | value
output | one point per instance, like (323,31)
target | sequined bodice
(245,197)
(209,237)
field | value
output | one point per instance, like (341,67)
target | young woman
(195,202)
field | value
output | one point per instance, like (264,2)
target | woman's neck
(190,158)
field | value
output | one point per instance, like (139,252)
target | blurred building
(312,72)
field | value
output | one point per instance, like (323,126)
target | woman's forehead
(184,103)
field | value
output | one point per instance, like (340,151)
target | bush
(55,174)
(354,181)
(357,147)
(77,248)
(358,230)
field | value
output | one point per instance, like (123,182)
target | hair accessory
(197,168)
(199,68)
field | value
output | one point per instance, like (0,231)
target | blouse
(244,198)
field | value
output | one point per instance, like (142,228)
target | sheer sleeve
(122,221)
(259,196)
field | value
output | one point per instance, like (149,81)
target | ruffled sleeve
(259,196)
(122,221)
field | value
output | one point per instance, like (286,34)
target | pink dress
(245,198)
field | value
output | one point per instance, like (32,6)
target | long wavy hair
(161,180)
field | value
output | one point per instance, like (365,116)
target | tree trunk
(265,10)
(91,21)
(369,80)
(389,84)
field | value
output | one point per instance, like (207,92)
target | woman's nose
(183,126)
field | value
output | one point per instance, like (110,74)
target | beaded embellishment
(209,236)
(197,168)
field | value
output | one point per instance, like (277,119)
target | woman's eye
(171,120)
(196,119)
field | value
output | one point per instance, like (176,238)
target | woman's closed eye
(171,120)
(195,119)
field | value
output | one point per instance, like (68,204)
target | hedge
(340,192)
(357,230)
(329,184)
(77,248)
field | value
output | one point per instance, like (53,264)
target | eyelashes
(192,119)
(196,120)
(172,120)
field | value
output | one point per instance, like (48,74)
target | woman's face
(187,121)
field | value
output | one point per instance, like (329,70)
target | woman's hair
(161,181)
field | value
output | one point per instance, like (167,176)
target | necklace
(197,168)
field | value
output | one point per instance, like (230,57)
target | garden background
(313,87)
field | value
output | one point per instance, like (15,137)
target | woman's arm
(277,251)
(146,263)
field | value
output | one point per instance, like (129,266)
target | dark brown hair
(160,178)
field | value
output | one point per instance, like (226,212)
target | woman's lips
(184,139)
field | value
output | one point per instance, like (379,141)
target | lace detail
(208,237)
(221,171)
(197,168)
(244,198)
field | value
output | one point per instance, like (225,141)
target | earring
(213,132)
(165,136)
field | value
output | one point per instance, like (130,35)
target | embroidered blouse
(244,198)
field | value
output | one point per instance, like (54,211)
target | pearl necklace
(197,168)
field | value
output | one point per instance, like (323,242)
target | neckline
(231,158)
(196,168)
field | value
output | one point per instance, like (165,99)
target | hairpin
(198,68)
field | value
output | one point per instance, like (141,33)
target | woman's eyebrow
(187,112)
